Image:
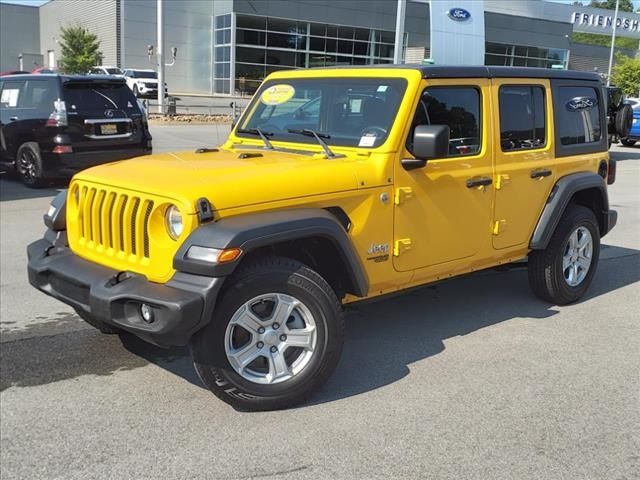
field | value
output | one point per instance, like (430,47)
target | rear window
(98,96)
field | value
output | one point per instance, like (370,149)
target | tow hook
(118,278)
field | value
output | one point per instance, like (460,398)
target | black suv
(52,126)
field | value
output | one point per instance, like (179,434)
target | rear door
(524,160)
(11,112)
(102,115)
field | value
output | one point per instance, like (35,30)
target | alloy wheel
(270,338)
(577,257)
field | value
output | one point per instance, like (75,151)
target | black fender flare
(561,194)
(251,231)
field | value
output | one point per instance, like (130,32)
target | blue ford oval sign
(459,14)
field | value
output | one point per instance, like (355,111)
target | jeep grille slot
(114,223)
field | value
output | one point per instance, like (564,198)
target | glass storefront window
(249,21)
(276,43)
(250,37)
(223,21)
(524,56)
(316,44)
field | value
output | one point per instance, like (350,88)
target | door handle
(479,182)
(540,173)
(13,119)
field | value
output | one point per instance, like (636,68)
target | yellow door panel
(524,157)
(438,217)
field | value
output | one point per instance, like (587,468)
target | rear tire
(243,355)
(98,324)
(29,164)
(562,272)
(628,143)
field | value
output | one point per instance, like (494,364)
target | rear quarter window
(578,109)
(99,96)
(579,113)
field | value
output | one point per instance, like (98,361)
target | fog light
(146,311)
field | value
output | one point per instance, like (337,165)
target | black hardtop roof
(67,78)
(444,71)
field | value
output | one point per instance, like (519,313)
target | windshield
(139,74)
(113,71)
(354,112)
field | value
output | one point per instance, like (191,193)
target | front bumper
(181,306)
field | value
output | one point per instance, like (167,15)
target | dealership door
(443,210)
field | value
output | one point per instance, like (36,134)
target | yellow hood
(225,179)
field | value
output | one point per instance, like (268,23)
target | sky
(40,2)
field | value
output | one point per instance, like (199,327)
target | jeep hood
(225,178)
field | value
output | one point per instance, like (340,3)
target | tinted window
(578,114)
(140,74)
(457,107)
(39,94)
(11,95)
(522,117)
(100,96)
(352,112)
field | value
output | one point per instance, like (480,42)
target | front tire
(562,272)
(275,337)
(628,143)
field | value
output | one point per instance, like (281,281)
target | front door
(524,160)
(443,210)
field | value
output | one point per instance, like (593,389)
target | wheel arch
(316,237)
(585,188)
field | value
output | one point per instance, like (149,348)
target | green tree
(625,5)
(626,74)
(80,49)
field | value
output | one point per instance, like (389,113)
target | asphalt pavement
(473,378)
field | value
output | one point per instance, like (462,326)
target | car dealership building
(228,46)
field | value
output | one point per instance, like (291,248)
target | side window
(457,107)
(522,117)
(578,113)
(11,95)
(39,94)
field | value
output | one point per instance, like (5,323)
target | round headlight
(173,219)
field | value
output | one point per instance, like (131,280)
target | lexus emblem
(108,113)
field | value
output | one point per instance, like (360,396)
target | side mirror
(429,141)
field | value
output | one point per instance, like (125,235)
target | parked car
(52,126)
(249,252)
(634,133)
(41,70)
(143,83)
(106,70)
(6,73)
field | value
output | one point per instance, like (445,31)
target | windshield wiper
(318,136)
(257,131)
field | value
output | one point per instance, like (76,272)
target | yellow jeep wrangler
(335,186)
